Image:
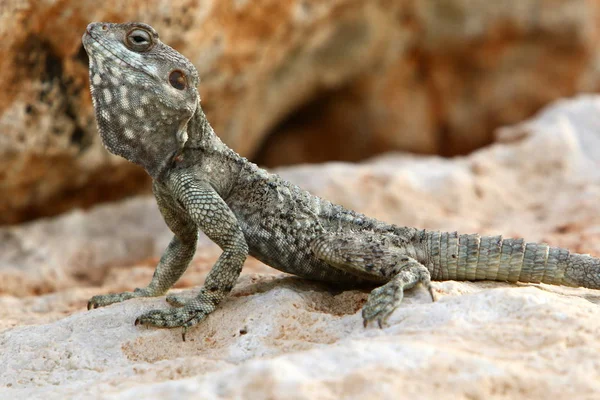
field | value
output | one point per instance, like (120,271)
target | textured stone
(451,72)
(287,81)
(282,337)
(287,340)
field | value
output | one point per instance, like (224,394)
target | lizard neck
(200,133)
(201,136)
(205,155)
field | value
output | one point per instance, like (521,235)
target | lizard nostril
(104,27)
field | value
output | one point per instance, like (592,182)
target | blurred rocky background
(288,81)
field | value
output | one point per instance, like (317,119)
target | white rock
(282,337)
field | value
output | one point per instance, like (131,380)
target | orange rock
(288,81)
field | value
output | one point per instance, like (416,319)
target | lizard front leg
(173,262)
(210,214)
(371,256)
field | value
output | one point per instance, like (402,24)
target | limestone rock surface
(278,336)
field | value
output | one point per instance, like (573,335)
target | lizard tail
(475,257)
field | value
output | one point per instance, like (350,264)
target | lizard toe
(103,300)
(379,313)
(176,300)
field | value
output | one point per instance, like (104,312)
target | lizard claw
(432,294)
(183,332)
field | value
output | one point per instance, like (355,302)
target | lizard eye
(177,79)
(139,40)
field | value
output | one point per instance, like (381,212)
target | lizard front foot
(189,315)
(103,300)
(171,318)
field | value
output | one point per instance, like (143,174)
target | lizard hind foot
(382,301)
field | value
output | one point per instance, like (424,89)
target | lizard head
(144,93)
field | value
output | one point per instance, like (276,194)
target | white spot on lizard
(107,95)
(123,97)
(105,115)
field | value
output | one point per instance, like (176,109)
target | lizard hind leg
(374,257)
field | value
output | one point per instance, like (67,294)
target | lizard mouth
(118,59)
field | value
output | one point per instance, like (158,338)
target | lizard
(148,111)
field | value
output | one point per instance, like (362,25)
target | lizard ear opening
(177,79)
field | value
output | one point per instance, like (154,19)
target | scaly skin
(148,111)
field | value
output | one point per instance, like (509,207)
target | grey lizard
(148,111)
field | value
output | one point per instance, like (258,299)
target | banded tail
(474,257)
